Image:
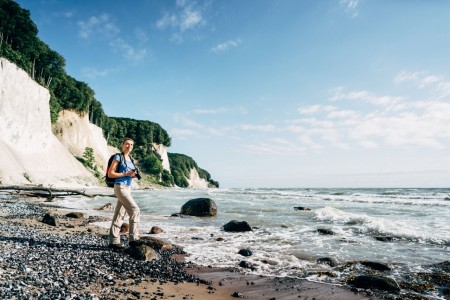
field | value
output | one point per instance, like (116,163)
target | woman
(123,170)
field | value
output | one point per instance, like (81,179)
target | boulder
(75,215)
(143,252)
(301,208)
(49,220)
(325,231)
(124,228)
(327,261)
(236,226)
(199,207)
(375,282)
(245,252)
(156,230)
(157,244)
(384,238)
(376,265)
(247,265)
(107,206)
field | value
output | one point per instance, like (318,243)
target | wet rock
(376,265)
(245,252)
(75,215)
(199,207)
(375,282)
(143,252)
(236,226)
(157,244)
(156,230)
(49,220)
(269,262)
(325,231)
(384,238)
(107,206)
(237,295)
(301,208)
(247,265)
(176,215)
(124,228)
(327,261)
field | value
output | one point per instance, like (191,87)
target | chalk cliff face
(29,151)
(162,151)
(195,181)
(76,134)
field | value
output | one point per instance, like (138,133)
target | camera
(138,174)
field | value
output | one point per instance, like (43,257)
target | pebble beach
(72,261)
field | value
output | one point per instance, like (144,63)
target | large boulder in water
(199,207)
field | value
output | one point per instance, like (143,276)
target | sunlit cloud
(226,45)
(350,6)
(187,16)
(127,50)
(93,73)
(97,25)
(103,27)
(387,101)
(263,128)
(219,110)
(183,133)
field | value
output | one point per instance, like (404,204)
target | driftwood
(46,192)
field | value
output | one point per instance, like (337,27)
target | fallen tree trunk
(47,192)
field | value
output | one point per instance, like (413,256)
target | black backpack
(110,181)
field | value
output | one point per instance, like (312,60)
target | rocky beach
(69,259)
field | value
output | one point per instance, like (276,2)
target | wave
(373,226)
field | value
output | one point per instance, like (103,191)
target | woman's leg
(133,211)
(117,221)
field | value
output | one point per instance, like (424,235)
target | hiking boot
(116,246)
(136,243)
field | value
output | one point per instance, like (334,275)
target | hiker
(123,170)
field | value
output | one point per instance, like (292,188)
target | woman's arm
(113,174)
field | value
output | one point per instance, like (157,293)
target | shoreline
(24,233)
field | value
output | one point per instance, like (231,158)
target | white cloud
(350,6)
(187,16)
(262,128)
(183,133)
(203,111)
(387,101)
(97,25)
(226,45)
(95,73)
(127,50)
(102,26)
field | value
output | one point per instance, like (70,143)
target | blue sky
(289,93)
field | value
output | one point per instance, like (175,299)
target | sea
(406,228)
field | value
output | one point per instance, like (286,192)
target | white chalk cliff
(33,151)
(195,181)
(162,151)
(76,134)
(29,151)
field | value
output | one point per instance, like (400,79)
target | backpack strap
(132,161)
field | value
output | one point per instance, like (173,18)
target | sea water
(285,241)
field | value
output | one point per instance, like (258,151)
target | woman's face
(127,146)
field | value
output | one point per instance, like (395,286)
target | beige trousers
(125,205)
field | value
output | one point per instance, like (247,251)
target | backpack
(110,181)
